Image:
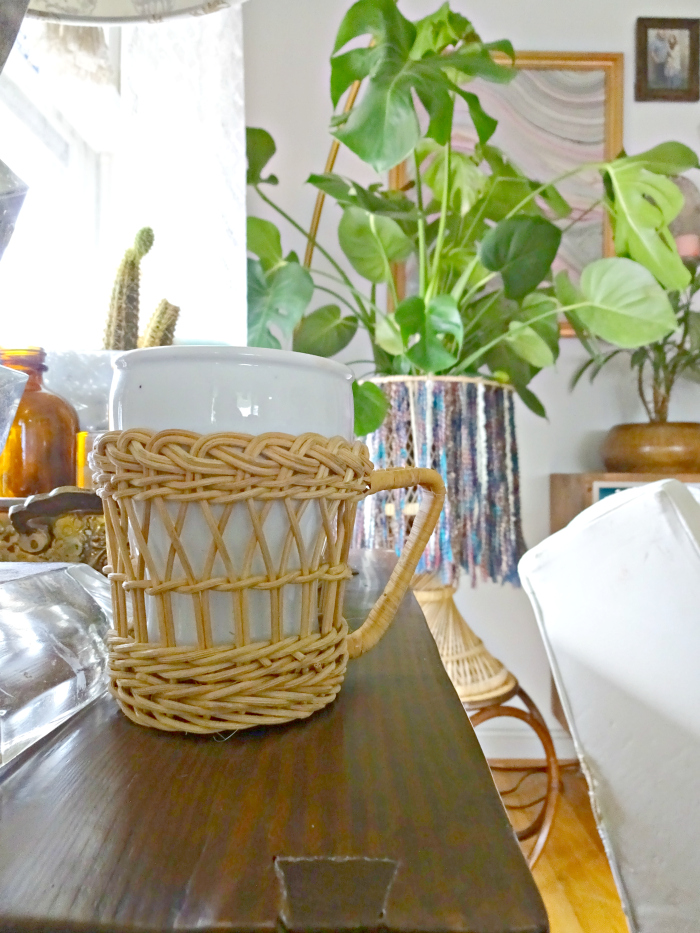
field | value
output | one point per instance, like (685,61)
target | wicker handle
(384,610)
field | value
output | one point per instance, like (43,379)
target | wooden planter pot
(654,447)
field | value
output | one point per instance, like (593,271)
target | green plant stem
(480,213)
(580,217)
(422,249)
(477,354)
(487,305)
(640,389)
(363,315)
(461,282)
(551,184)
(437,253)
(290,220)
(475,289)
(341,299)
(389,278)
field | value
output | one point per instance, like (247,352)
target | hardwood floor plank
(572,874)
(562,916)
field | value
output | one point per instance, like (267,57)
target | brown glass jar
(40,450)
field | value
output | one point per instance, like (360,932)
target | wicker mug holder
(228,556)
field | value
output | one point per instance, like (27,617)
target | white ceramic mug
(245,389)
(209,389)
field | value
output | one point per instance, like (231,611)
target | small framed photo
(668,59)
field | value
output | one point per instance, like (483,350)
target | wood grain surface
(378,812)
(573,873)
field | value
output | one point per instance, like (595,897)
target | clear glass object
(12,385)
(54,619)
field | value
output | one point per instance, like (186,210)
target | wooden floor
(572,873)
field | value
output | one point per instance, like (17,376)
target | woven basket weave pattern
(152,486)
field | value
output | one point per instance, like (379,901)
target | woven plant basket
(227,555)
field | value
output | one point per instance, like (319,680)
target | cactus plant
(123,322)
(161,328)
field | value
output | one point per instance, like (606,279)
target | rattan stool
(541,823)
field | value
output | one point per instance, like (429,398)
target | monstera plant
(481,235)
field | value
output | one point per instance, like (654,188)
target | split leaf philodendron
(481,235)
(660,363)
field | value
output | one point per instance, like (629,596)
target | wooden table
(379,812)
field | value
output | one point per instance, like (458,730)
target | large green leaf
(527,343)
(431,325)
(466,182)
(507,189)
(349,193)
(643,206)
(434,33)
(387,334)
(522,249)
(531,400)
(669,158)
(371,406)
(556,203)
(324,332)
(372,242)
(567,295)
(484,124)
(625,304)
(383,127)
(502,361)
(264,241)
(260,148)
(276,300)
(542,313)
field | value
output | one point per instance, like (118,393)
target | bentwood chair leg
(541,825)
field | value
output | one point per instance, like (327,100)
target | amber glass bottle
(40,451)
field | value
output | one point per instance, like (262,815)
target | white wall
(287,44)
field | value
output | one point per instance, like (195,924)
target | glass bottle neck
(29,361)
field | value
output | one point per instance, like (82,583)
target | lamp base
(477,676)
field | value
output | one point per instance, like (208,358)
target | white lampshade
(96,12)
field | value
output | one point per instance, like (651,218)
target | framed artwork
(562,109)
(668,59)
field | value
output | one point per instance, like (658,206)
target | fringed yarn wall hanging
(465,429)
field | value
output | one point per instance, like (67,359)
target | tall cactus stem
(123,321)
(161,328)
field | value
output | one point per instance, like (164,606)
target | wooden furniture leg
(541,824)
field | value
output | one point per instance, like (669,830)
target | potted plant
(483,317)
(659,444)
(84,377)
(482,235)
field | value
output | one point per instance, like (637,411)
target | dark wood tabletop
(377,813)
